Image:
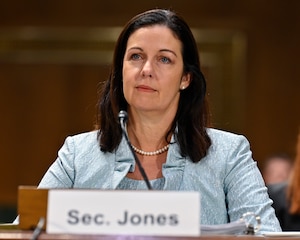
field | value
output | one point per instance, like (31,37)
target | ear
(185,81)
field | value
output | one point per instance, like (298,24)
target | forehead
(154,34)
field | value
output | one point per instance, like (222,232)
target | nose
(147,69)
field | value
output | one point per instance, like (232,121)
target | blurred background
(54,53)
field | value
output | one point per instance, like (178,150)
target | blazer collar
(172,170)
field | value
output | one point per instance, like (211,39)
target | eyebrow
(168,50)
(161,50)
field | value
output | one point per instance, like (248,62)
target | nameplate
(159,213)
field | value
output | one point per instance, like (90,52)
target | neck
(147,139)
(147,133)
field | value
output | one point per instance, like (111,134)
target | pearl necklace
(157,152)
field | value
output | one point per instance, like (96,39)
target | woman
(156,78)
(286,197)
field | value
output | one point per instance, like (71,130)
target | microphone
(123,117)
(38,229)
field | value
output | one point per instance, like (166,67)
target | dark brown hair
(293,190)
(192,115)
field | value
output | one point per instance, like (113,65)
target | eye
(135,56)
(165,60)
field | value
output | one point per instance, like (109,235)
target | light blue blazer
(228,178)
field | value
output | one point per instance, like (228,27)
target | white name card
(159,213)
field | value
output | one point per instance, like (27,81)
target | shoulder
(84,137)
(87,141)
(221,134)
(221,138)
(228,150)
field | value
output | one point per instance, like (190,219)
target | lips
(145,88)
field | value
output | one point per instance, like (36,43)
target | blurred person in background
(286,196)
(277,168)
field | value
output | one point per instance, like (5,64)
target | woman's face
(153,70)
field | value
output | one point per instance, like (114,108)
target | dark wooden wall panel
(41,105)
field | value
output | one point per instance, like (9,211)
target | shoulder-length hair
(192,115)
(293,189)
